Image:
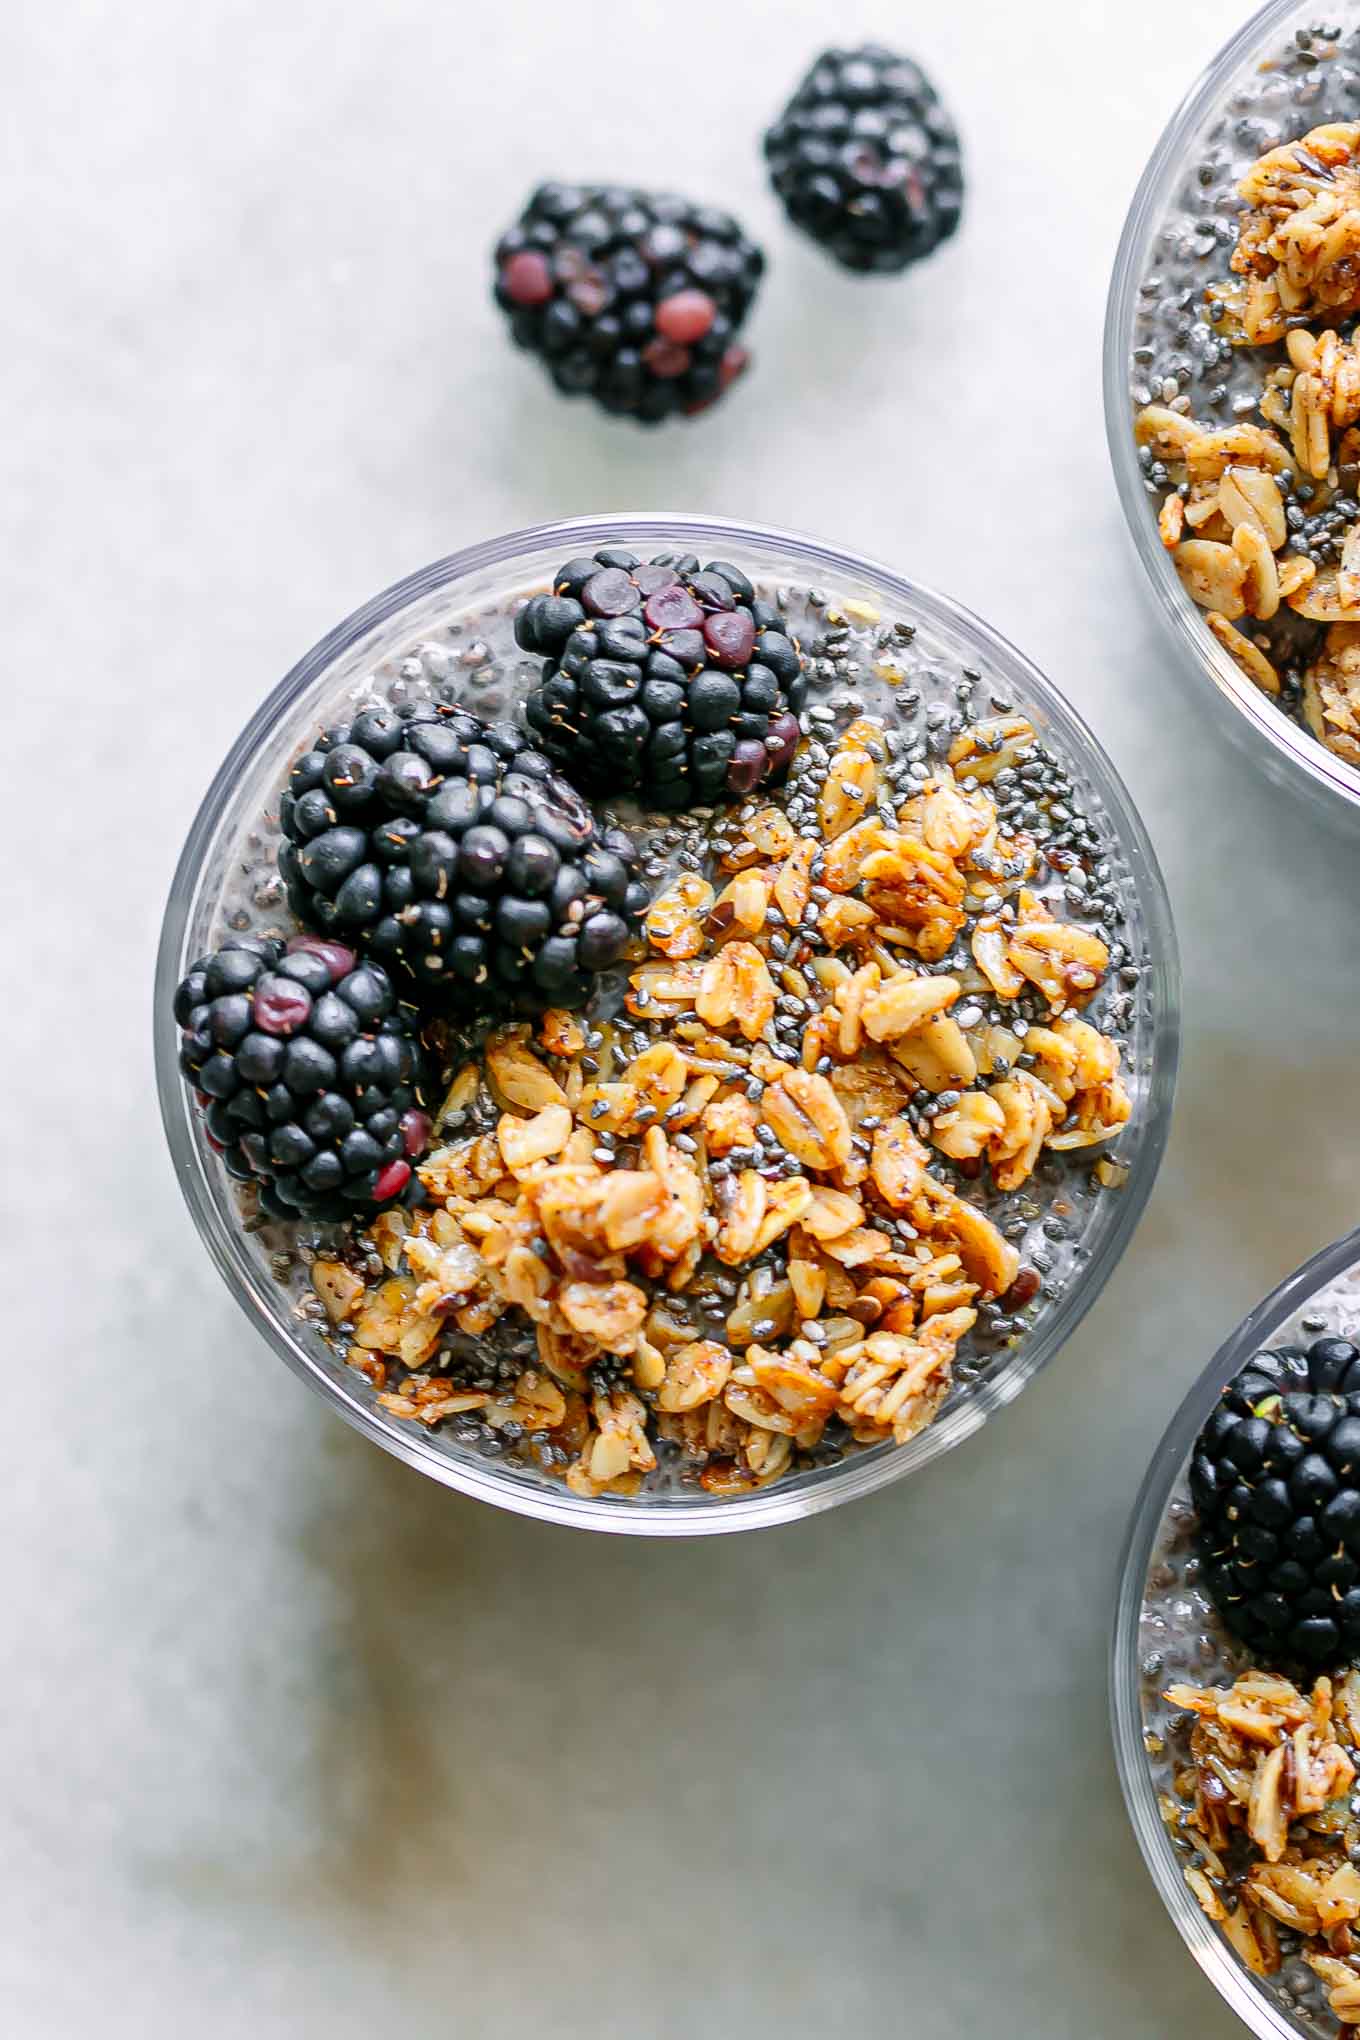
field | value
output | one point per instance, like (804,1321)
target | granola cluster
(723,1242)
(1232,519)
(1265,1812)
(1298,244)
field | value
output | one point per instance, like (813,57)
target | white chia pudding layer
(858,661)
(1182,1639)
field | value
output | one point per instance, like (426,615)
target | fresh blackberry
(664,678)
(866,160)
(631,297)
(451,851)
(311,1071)
(1275,1478)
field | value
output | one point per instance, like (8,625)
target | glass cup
(1165,1631)
(450,606)
(1158,222)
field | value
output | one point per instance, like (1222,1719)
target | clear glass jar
(1165,1630)
(474,590)
(1157,232)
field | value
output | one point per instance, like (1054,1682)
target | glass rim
(857,1474)
(1205,1943)
(1302,751)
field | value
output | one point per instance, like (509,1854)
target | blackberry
(1275,1478)
(449,850)
(664,678)
(631,297)
(866,160)
(311,1073)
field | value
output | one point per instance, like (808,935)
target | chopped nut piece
(608,1108)
(661,989)
(611,1313)
(844,920)
(659,1076)
(964,1133)
(843,860)
(729,1122)
(772,833)
(1065,962)
(561,1033)
(526,1141)
(340,1289)
(674,921)
(695,1374)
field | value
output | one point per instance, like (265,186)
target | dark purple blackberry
(866,160)
(311,1074)
(451,851)
(1275,1478)
(631,297)
(664,679)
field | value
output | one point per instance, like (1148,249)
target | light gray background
(295,1743)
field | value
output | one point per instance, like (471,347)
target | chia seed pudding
(1236,359)
(756,1359)
(1183,1660)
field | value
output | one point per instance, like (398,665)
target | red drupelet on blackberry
(630,297)
(311,1072)
(866,160)
(1275,1479)
(662,678)
(451,851)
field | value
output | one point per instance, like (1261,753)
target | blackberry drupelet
(1275,1478)
(866,160)
(631,297)
(312,1075)
(662,678)
(451,851)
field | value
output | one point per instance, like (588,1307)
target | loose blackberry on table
(663,678)
(866,160)
(630,297)
(1275,1479)
(311,1071)
(451,851)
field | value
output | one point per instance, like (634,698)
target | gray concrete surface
(296,1744)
